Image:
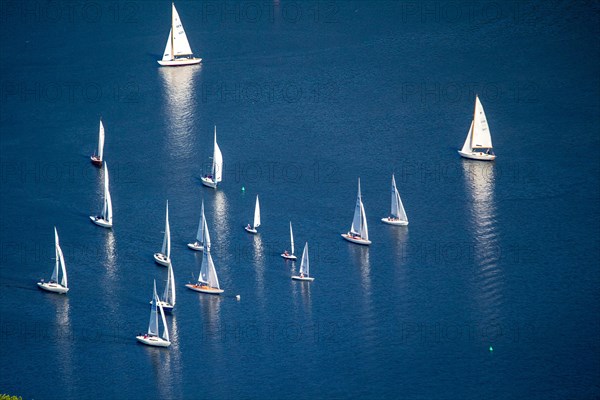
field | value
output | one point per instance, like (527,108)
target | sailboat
(177,51)
(208,282)
(286,255)
(216,174)
(256,223)
(304,267)
(478,144)
(105,219)
(53,285)
(198,244)
(152,337)
(97,158)
(359,231)
(398,214)
(164,257)
(168,301)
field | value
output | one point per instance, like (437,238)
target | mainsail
(177,42)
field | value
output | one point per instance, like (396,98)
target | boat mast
(172,32)
(474,114)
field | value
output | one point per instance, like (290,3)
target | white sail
(481,137)
(359,222)
(61,261)
(217,167)
(304,265)
(169,295)
(101,141)
(177,42)
(200,233)
(212,279)
(292,237)
(153,325)
(208,274)
(54,277)
(256,214)
(364,229)
(107,209)
(206,235)
(203,277)
(397,206)
(467,145)
(167,55)
(166,246)
(164,321)
(181,46)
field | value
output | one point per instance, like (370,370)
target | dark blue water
(306,97)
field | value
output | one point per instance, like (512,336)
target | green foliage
(9,397)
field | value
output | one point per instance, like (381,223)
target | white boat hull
(166,306)
(153,341)
(302,278)
(356,240)
(289,256)
(195,246)
(179,62)
(101,222)
(204,289)
(477,155)
(396,222)
(161,259)
(209,182)
(53,287)
(251,230)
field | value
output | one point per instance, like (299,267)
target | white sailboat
(97,158)
(208,282)
(199,243)
(168,301)
(59,269)
(398,214)
(286,255)
(216,174)
(359,231)
(105,219)
(152,337)
(177,50)
(164,257)
(478,144)
(304,267)
(256,223)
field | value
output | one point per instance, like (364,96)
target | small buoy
(237,297)
(491,348)
(243,189)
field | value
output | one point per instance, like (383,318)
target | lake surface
(491,292)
